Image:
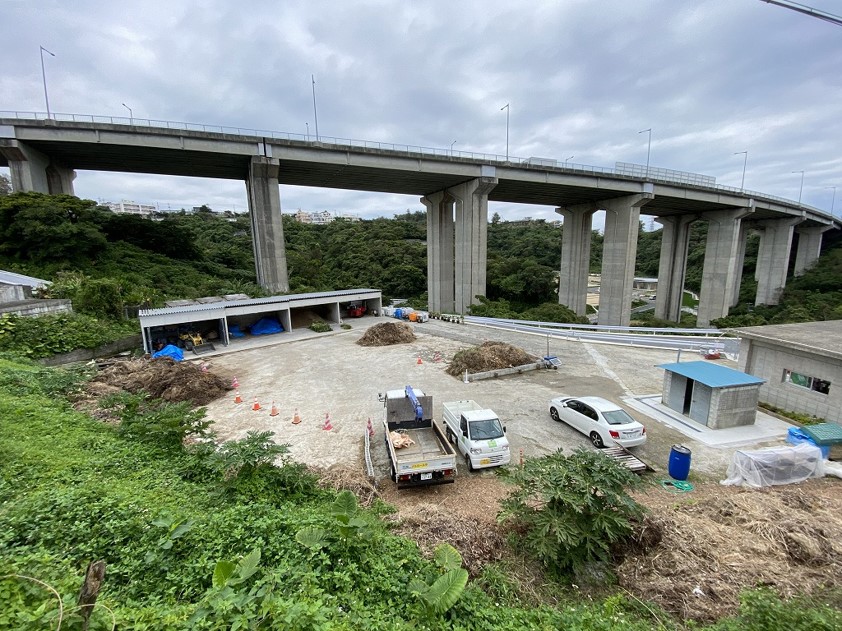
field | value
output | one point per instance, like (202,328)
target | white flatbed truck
(477,433)
(429,458)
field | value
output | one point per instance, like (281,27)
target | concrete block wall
(769,362)
(732,407)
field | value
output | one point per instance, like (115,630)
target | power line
(802,8)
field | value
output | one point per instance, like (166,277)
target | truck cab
(477,433)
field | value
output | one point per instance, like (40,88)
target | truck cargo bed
(426,446)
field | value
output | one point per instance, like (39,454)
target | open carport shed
(714,395)
(214,319)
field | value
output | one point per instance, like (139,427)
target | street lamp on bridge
(649,148)
(566,159)
(451,148)
(745,160)
(506,107)
(44,77)
(833,199)
(800,190)
(131,115)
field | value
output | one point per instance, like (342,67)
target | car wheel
(554,415)
(596,439)
(468,462)
(450,436)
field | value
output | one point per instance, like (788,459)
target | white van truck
(477,433)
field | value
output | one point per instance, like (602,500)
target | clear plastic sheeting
(774,466)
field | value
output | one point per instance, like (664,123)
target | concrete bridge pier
(672,266)
(619,250)
(575,256)
(809,247)
(773,257)
(267,227)
(457,243)
(440,273)
(34,171)
(720,268)
(745,229)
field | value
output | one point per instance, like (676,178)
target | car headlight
(476,450)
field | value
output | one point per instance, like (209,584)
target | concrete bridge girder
(31,170)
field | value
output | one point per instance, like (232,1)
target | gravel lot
(323,374)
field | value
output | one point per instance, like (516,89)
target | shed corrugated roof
(11,278)
(712,375)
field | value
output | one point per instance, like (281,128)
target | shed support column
(267,227)
(809,247)
(672,267)
(773,258)
(575,257)
(720,266)
(33,171)
(471,240)
(619,250)
(439,252)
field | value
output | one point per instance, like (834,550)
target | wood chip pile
(162,378)
(694,557)
(488,356)
(386,334)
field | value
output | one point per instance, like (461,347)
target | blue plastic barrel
(398,314)
(679,465)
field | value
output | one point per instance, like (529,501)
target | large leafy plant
(440,595)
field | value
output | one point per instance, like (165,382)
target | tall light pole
(802,185)
(308,131)
(451,148)
(566,159)
(506,107)
(649,148)
(131,115)
(833,200)
(315,114)
(745,160)
(44,77)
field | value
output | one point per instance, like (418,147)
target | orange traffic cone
(327,426)
(296,419)
(274,411)
(256,405)
(370,427)
(238,398)
(234,383)
(419,360)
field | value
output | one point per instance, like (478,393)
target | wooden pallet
(622,456)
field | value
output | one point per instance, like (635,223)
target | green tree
(5,185)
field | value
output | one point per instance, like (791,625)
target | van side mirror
(504,429)
(465,433)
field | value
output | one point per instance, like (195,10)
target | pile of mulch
(695,553)
(488,356)
(162,378)
(346,478)
(386,334)
(430,525)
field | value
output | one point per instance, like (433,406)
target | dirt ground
(702,547)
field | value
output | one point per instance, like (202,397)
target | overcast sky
(581,77)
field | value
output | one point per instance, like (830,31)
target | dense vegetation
(204,538)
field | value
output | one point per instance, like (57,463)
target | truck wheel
(450,437)
(469,463)
(596,439)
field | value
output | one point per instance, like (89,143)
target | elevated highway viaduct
(43,155)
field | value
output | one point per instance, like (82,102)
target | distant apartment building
(322,217)
(132,208)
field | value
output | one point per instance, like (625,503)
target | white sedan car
(605,423)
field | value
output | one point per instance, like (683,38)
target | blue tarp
(266,326)
(169,351)
(234,331)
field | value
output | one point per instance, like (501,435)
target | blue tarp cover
(266,326)
(234,331)
(170,351)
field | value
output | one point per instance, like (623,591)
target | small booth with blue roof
(710,394)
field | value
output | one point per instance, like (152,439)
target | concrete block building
(801,363)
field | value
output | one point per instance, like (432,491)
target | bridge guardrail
(388,146)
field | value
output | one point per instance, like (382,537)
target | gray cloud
(582,78)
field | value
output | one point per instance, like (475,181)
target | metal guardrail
(665,176)
(369,466)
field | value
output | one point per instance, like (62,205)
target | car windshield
(618,417)
(486,430)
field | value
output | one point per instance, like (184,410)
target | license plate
(630,434)
(426,476)
(485,461)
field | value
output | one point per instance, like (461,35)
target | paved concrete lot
(323,374)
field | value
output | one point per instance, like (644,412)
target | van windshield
(486,430)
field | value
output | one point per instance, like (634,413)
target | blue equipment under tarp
(234,331)
(266,326)
(169,351)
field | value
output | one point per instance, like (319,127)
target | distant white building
(132,208)
(322,217)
